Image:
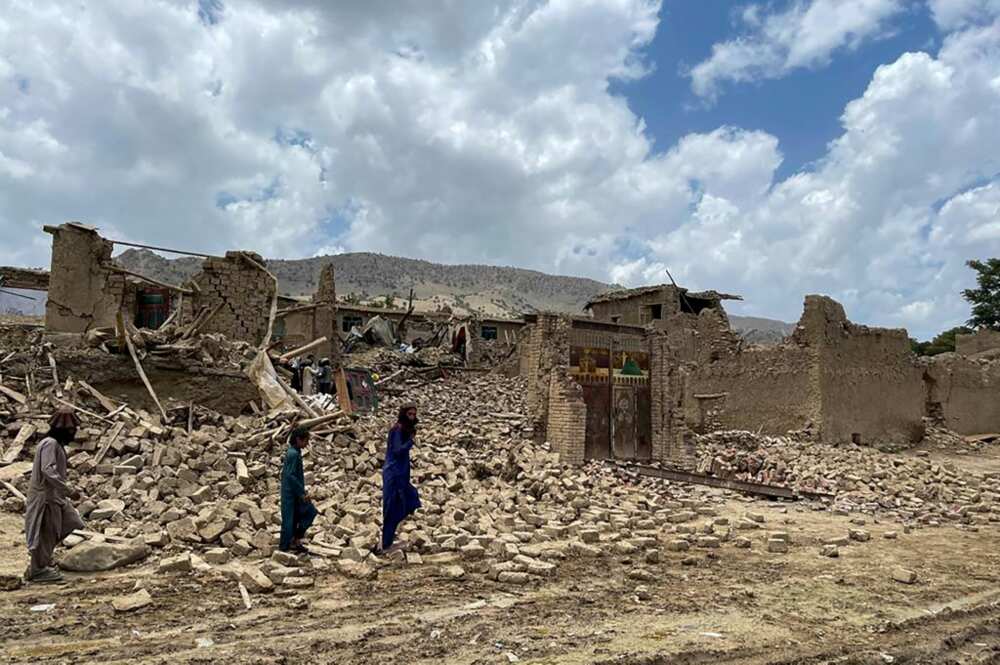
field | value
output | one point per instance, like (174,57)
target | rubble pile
(494,502)
(911,488)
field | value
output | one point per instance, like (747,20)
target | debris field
(515,557)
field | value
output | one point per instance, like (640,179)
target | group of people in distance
(50,516)
(310,378)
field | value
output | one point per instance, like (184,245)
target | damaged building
(657,365)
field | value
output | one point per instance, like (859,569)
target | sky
(772,149)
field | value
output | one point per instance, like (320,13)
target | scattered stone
(131,602)
(859,535)
(453,572)
(297,603)
(678,545)
(777,545)
(218,556)
(904,575)
(642,593)
(831,551)
(255,580)
(89,557)
(176,564)
(513,577)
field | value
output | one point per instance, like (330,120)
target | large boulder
(92,557)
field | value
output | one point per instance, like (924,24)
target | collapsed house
(658,365)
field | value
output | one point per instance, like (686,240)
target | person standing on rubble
(324,378)
(297,509)
(49,516)
(309,373)
(399,496)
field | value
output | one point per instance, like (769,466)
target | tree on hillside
(985,300)
(943,343)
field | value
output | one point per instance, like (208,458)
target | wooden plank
(296,397)
(13,394)
(246,597)
(15,470)
(15,449)
(155,282)
(108,404)
(199,324)
(343,396)
(319,420)
(107,443)
(13,490)
(302,349)
(138,367)
(82,410)
(55,375)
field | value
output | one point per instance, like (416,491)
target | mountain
(14,305)
(486,290)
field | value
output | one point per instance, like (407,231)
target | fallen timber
(743,486)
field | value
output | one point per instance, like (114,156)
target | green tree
(943,343)
(985,299)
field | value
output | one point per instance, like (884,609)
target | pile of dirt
(911,488)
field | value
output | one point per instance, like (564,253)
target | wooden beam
(156,282)
(55,375)
(295,310)
(302,349)
(138,367)
(108,404)
(319,420)
(296,397)
(82,410)
(13,394)
(25,433)
(107,443)
(13,490)
(159,249)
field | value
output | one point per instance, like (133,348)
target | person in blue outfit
(399,496)
(297,510)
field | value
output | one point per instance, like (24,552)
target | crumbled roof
(624,294)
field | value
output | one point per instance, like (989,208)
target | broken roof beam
(150,280)
(295,310)
(24,278)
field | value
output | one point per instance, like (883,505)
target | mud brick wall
(964,393)
(630,310)
(244,291)
(672,439)
(871,384)
(566,425)
(977,342)
(547,348)
(771,389)
(82,294)
(325,316)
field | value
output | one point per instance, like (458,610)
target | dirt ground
(733,606)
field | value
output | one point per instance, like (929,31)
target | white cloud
(805,35)
(953,14)
(489,135)
(886,221)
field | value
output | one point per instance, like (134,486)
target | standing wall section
(243,290)
(566,424)
(83,294)
(871,383)
(964,393)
